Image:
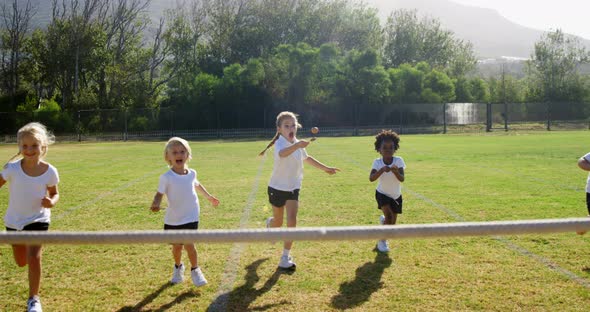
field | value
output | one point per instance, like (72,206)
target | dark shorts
(37,226)
(186,226)
(588,202)
(279,198)
(395,204)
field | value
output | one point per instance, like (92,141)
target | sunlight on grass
(109,186)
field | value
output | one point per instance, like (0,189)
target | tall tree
(554,67)
(409,39)
(15,20)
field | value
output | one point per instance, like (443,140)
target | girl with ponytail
(287,175)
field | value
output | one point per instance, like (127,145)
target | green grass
(449,178)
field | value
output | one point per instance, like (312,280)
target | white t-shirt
(26,193)
(183,202)
(587,157)
(287,173)
(388,183)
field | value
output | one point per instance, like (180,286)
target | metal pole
(444,118)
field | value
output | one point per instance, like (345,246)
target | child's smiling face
(30,147)
(288,129)
(387,148)
(177,156)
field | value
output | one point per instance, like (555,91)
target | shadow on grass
(147,300)
(586,269)
(242,297)
(366,282)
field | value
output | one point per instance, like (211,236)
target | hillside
(485,28)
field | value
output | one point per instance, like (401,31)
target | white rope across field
(408,231)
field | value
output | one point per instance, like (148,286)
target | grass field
(449,178)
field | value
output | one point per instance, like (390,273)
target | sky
(571,16)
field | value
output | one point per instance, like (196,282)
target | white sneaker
(382,246)
(178,275)
(381,219)
(287,263)
(198,277)
(34,304)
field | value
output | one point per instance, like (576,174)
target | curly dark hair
(387,135)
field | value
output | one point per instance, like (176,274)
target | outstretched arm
(203,191)
(314,162)
(583,163)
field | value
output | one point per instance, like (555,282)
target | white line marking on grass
(233,260)
(65,212)
(507,243)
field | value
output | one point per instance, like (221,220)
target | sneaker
(381,219)
(34,304)
(382,246)
(178,277)
(198,277)
(287,263)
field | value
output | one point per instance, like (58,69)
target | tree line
(235,63)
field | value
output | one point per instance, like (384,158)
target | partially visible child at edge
(584,164)
(180,185)
(287,175)
(389,170)
(33,191)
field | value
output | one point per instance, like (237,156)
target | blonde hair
(177,141)
(280,118)
(37,131)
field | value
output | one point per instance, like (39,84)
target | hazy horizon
(571,16)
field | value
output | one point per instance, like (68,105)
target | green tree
(553,68)
(411,40)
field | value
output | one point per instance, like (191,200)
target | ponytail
(272,142)
(11,159)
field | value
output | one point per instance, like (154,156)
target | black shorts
(588,202)
(395,204)
(279,198)
(186,226)
(37,226)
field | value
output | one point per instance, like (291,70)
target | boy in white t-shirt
(287,175)
(584,164)
(180,185)
(389,170)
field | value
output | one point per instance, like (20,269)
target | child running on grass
(33,192)
(389,170)
(180,185)
(584,164)
(287,175)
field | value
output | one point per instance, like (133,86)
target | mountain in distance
(492,35)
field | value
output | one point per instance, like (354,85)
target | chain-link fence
(160,124)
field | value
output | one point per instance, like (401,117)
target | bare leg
(277,216)
(34,259)
(20,254)
(191,251)
(390,216)
(177,253)
(292,208)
